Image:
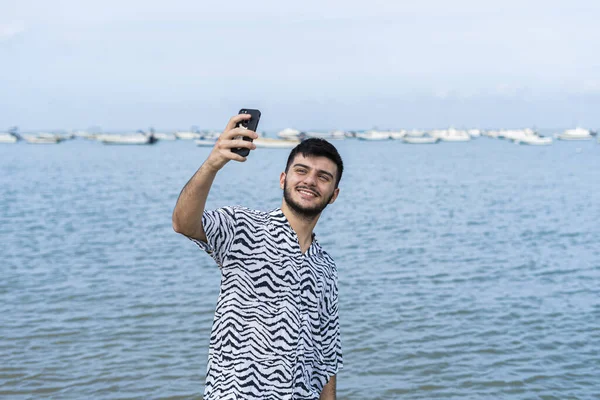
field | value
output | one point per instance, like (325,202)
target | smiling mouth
(307,192)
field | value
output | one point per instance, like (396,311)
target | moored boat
(165,136)
(534,140)
(269,143)
(10,136)
(451,135)
(43,138)
(85,135)
(186,135)
(373,135)
(575,134)
(127,139)
(332,135)
(338,135)
(491,133)
(289,134)
(420,140)
(398,135)
(205,142)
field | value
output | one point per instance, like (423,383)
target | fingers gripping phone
(250,124)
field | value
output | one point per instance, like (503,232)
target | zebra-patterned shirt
(275,333)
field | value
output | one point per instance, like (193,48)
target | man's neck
(302,226)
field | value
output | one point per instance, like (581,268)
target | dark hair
(317,147)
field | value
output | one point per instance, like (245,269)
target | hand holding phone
(251,124)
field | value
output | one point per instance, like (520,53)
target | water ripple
(466,272)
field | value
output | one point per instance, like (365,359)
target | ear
(282,180)
(336,192)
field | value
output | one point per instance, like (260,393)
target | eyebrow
(319,170)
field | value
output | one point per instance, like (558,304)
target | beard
(299,209)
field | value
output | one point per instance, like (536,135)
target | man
(275,333)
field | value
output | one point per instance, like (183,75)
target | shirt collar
(279,219)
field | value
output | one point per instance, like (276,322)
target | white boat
(188,135)
(338,135)
(516,135)
(373,135)
(491,134)
(534,140)
(474,132)
(165,136)
(398,135)
(43,138)
(332,135)
(509,134)
(525,136)
(136,138)
(215,135)
(66,136)
(85,135)
(289,133)
(205,142)
(451,135)
(7,137)
(415,133)
(575,134)
(457,138)
(420,140)
(262,142)
(10,136)
(319,135)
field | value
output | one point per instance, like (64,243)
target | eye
(324,178)
(300,171)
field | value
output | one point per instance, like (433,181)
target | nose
(310,179)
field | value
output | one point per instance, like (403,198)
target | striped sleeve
(219,227)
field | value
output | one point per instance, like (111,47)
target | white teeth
(305,192)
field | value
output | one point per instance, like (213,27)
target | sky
(72,64)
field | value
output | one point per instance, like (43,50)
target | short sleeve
(219,227)
(330,332)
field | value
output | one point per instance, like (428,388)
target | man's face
(309,185)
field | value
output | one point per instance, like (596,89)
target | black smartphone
(251,124)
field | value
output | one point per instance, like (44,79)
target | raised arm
(187,215)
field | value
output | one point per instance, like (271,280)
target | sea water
(466,270)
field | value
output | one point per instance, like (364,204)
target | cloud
(11,29)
